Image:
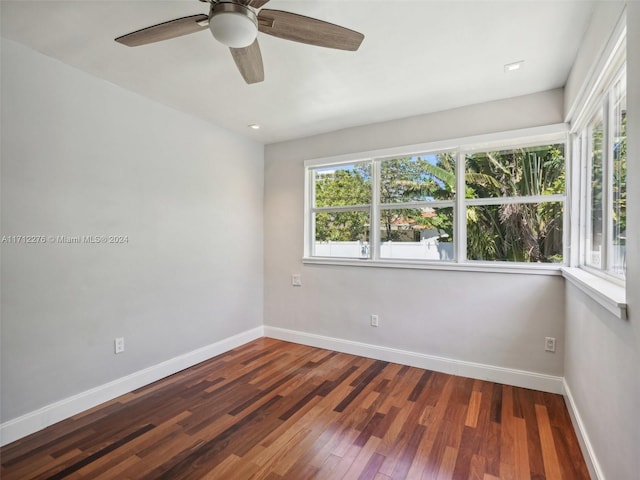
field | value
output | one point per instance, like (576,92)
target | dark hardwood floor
(273,410)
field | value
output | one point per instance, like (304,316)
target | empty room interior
(317,239)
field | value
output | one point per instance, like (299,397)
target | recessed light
(512,67)
(254,126)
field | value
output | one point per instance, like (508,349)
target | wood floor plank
(408,453)
(536,464)
(366,452)
(279,457)
(447,465)
(113,472)
(471,420)
(224,469)
(397,438)
(433,446)
(507,434)
(490,446)
(469,445)
(476,468)
(272,410)
(327,470)
(521,452)
(549,453)
(324,445)
(40,465)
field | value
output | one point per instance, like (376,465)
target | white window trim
(463,145)
(608,294)
(602,287)
(468,266)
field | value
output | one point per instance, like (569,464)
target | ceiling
(417,57)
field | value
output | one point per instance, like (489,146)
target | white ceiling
(417,57)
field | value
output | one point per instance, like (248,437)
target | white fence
(429,249)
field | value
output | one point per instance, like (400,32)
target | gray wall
(488,318)
(83,157)
(602,358)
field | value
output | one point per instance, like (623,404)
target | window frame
(549,134)
(334,209)
(603,288)
(587,159)
(378,206)
(601,106)
(525,199)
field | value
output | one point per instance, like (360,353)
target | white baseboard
(37,420)
(595,471)
(509,376)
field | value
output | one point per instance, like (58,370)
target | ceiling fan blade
(249,62)
(291,26)
(165,31)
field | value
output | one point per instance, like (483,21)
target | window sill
(606,293)
(498,267)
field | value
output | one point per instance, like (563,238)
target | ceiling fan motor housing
(232,24)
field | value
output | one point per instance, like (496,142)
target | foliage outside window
(341,220)
(605,157)
(519,212)
(513,205)
(416,207)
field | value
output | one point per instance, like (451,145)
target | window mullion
(345,208)
(417,204)
(460,212)
(556,197)
(581,195)
(589,181)
(309,219)
(572,213)
(374,215)
(607,229)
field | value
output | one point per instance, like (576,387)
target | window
(596,216)
(341,213)
(512,209)
(604,155)
(515,204)
(617,263)
(416,207)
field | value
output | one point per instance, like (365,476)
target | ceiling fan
(236,24)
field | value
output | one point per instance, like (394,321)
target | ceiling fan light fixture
(234,25)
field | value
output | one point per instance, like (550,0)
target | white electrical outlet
(118,345)
(374,320)
(550,344)
(296,280)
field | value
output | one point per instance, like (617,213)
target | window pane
(343,185)
(619,214)
(342,234)
(417,233)
(522,232)
(594,233)
(418,179)
(516,172)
